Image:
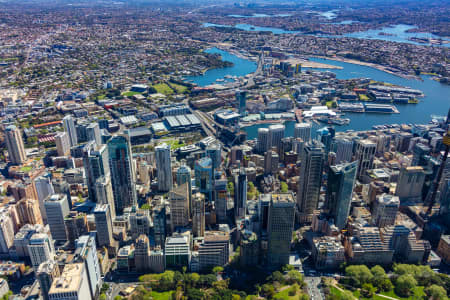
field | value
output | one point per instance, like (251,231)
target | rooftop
(69,281)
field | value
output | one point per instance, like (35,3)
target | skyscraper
(96,165)
(204,176)
(86,252)
(240,194)
(385,210)
(93,133)
(276,134)
(46,273)
(179,206)
(44,188)
(419,152)
(198,215)
(6,232)
(344,150)
(220,201)
(142,254)
(122,173)
(310,180)
(341,180)
(365,153)
(410,184)
(104,193)
(69,127)
(62,144)
(56,209)
(163,167)
(40,249)
(280,226)
(14,143)
(103,223)
(73,281)
(303,131)
(241,101)
(263,140)
(184,176)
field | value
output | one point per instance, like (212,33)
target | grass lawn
(129,93)
(174,144)
(363,97)
(285,294)
(163,89)
(179,88)
(26,169)
(161,296)
(418,294)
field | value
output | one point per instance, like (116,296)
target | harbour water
(396,33)
(435,102)
(241,67)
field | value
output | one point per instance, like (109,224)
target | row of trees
(404,279)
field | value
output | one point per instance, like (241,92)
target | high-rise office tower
(240,194)
(103,224)
(237,154)
(86,252)
(344,150)
(159,225)
(215,250)
(204,176)
(122,172)
(241,99)
(303,131)
(61,186)
(271,161)
(184,176)
(385,210)
(325,135)
(279,229)
(46,273)
(40,249)
(179,206)
(74,282)
(214,152)
(310,181)
(44,189)
(220,201)
(163,167)
(263,141)
(62,143)
(28,211)
(198,215)
(142,254)
(57,208)
(276,134)
(140,222)
(104,193)
(14,143)
(365,153)
(341,180)
(410,184)
(93,133)
(96,165)
(419,152)
(69,127)
(6,232)
(76,225)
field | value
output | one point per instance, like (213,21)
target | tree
(277,276)
(436,292)
(368,290)
(359,275)
(284,187)
(404,285)
(195,294)
(268,291)
(379,276)
(230,188)
(293,290)
(294,276)
(102,296)
(217,269)
(387,285)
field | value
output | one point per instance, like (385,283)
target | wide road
(313,288)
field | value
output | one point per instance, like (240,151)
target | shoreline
(368,64)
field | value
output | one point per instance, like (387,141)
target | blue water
(248,27)
(259,16)
(241,67)
(435,102)
(396,33)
